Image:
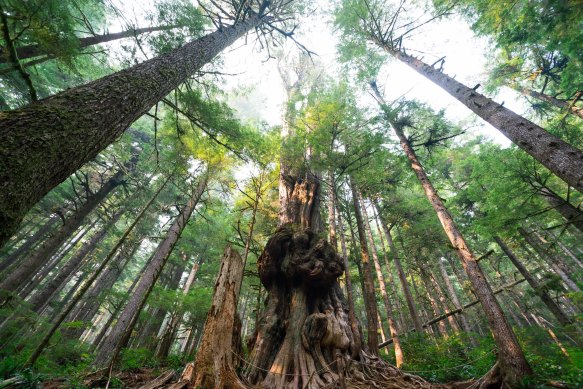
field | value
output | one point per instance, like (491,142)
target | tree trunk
(85,286)
(30,51)
(119,335)
(382,286)
(513,366)
(551,261)
(540,292)
(401,322)
(34,280)
(457,311)
(33,262)
(454,299)
(220,348)
(403,278)
(42,296)
(177,315)
(444,303)
(558,103)
(442,329)
(555,154)
(332,210)
(45,142)
(369,288)
(29,244)
(348,281)
(569,212)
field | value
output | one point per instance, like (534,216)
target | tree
(362,19)
(59,134)
(513,366)
(120,333)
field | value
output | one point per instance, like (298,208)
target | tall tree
(512,366)
(61,133)
(363,20)
(120,333)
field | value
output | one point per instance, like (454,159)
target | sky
(255,89)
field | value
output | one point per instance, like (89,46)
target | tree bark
(540,292)
(219,352)
(32,263)
(45,142)
(555,154)
(36,50)
(119,335)
(369,288)
(513,366)
(563,105)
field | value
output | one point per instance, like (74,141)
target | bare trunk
(119,335)
(444,303)
(87,284)
(403,278)
(42,296)
(569,212)
(433,301)
(453,296)
(348,281)
(513,366)
(541,292)
(29,244)
(332,210)
(382,286)
(552,152)
(563,105)
(369,288)
(44,143)
(532,241)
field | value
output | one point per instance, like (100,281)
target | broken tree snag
(214,366)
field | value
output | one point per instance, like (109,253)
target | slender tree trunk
(29,244)
(569,212)
(457,311)
(444,303)
(34,280)
(551,261)
(382,286)
(44,143)
(332,210)
(119,335)
(30,51)
(401,322)
(33,262)
(348,281)
(555,154)
(567,250)
(512,362)
(442,329)
(43,295)
(176,317)
(563,105)
(369,288)
(453,296)
(85,286)
(540,292)
(403,278)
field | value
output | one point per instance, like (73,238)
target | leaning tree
(45,142)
